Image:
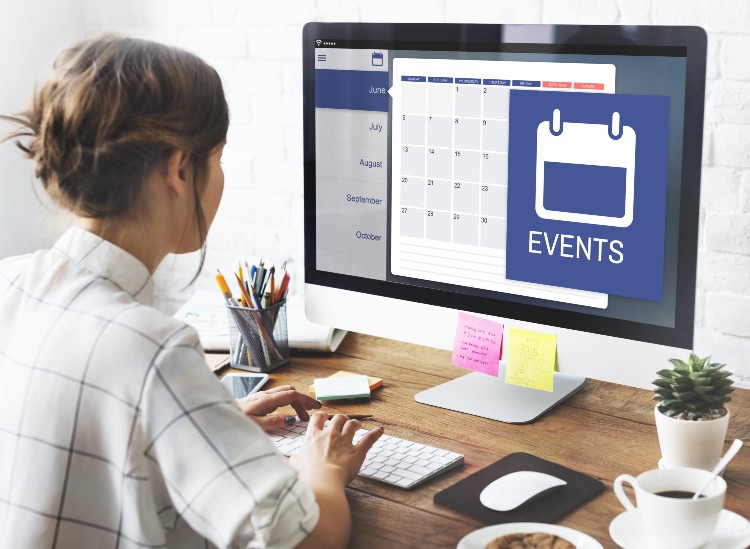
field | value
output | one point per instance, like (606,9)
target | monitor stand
(486,396)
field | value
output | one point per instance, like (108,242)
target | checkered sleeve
(222,473)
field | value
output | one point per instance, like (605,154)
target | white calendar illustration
(449,168)
(610,145)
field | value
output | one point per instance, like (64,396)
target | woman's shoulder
(159,328)
(9,266)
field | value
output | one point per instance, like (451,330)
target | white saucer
(732,532)
(478,539)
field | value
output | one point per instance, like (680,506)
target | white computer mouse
(514,489)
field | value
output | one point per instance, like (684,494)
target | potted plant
(691,416)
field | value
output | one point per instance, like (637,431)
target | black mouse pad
(464,495)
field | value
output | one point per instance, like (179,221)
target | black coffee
(679,494)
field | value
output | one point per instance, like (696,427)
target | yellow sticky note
(530,359)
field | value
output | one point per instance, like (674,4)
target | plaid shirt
(113,432)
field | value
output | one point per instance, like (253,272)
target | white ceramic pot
(690,443)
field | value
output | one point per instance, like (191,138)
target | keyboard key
(420,470)
(406,474)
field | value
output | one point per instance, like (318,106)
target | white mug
(674,523)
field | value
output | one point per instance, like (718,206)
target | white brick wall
(580,11)
(734,61)
(256,46)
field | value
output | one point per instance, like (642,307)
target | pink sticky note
(478,344)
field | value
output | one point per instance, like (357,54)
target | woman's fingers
(317,422)
(337,422)
(274,421)
(350,428)
(366,442)
(301,403)
(278,389)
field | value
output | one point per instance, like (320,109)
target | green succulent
(693,388)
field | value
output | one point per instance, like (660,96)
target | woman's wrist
(326,475)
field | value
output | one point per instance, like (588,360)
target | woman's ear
(176,172)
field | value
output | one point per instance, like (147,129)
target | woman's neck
(135,238)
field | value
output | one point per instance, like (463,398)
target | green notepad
(336,388)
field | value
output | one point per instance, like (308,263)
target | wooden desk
(603,431)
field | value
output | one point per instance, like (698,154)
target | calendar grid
(460,202)
(445,207)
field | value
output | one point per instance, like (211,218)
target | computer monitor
(546,176)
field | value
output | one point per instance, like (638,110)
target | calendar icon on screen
(585,173)
(377,59)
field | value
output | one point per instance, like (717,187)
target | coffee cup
(665,507)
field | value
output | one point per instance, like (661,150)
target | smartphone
(243,384)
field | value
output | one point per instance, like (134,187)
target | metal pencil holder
(258,338)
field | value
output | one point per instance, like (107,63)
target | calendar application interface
(449,176)
(530,178)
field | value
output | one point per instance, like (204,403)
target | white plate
(732,532)
(478,539)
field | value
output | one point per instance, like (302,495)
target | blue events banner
(587,181)
(353,90)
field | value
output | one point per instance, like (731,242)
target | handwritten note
(531,359)
(478,344)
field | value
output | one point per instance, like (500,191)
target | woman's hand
(261,405)
(327,461)
(331,449)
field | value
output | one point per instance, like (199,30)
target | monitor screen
(548,174)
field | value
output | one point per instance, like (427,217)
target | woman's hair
(110,112)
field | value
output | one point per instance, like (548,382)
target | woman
(113,433)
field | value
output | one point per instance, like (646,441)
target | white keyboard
(395,461)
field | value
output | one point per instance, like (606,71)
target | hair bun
(111,110)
